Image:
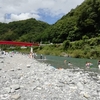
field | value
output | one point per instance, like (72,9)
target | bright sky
(45,10)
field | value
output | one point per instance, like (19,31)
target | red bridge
(19,43)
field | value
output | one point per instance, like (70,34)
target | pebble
(16,97)
(25,78)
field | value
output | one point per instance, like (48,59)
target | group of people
(88,64)
(32,55)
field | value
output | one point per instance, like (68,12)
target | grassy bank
(86,48)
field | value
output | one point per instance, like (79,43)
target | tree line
(77,30)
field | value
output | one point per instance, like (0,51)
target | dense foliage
(81,21)
(84,20)
(26,30)
(85,48)
(78,31)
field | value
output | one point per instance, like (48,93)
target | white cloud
(24,9)
(23,16)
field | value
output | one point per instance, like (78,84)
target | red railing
(19,43)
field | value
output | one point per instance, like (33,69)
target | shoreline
(24,78)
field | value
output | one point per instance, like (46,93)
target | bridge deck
(18,43)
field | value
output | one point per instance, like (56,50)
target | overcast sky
(45,10)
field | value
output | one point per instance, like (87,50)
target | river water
(58,62)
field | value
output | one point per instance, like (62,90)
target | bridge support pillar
(31,52)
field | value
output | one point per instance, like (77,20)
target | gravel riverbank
(24,78)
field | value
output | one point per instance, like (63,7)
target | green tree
(66,44)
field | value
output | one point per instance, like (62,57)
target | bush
(77,54)
(66,44)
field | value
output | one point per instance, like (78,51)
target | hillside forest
(76,34)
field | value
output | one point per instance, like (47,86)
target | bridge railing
(19,43)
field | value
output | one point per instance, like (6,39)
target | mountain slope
(84,20)
(25,30)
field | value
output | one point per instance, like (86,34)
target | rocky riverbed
(24,78)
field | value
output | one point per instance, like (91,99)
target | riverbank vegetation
(86,48)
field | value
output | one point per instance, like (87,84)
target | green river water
(58,62)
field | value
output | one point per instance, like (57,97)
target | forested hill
(24,30)
(84,20)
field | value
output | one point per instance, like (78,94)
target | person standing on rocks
(31,55)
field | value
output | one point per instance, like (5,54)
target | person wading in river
(99,64)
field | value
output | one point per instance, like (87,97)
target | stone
(28,66)
(15,87)
(7,89)
(86,95)
(15,96)
(42,82)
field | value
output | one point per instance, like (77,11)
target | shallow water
(58,62)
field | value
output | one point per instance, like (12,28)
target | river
(58,62)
